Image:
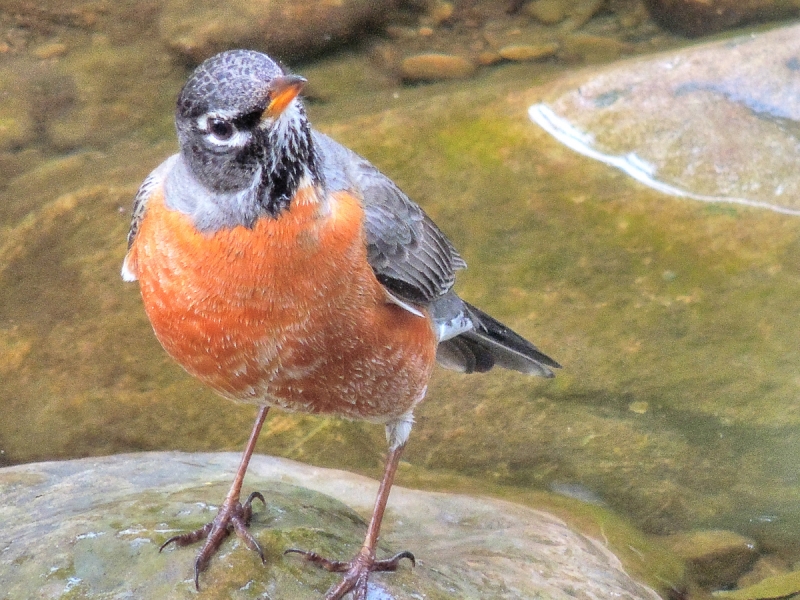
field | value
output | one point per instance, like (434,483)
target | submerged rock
(92,528)
(286,29)
(715,123)
(701,17)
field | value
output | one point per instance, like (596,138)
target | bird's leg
(232,515)
(356,571)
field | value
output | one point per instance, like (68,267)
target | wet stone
(91,528)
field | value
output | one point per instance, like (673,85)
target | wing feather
(410,255)
(151,182)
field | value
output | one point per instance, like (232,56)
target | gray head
(242,127)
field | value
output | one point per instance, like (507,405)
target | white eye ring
(220,131)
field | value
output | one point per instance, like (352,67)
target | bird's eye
(220,129)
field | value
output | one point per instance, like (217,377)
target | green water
(676,322)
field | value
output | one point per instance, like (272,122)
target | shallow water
(675,321)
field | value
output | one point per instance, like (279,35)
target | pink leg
(356,571)
(232,514)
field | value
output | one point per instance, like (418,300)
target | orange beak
(282,91)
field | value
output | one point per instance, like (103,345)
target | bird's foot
(356,572)
(231,516)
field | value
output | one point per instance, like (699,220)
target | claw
(231,516)
(356,571)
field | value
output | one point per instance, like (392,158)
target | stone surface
(714,122)
(92,527)
(287,29)
(715,558)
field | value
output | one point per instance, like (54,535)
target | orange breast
(287,313)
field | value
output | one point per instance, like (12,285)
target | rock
(432,67)
(92,527)
(703,122)
(287,29)
(714,558)
(526,52)
(701,17)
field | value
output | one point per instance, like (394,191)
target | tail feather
(489,343)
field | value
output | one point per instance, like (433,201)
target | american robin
(282,269)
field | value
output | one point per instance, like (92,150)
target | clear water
(675,321)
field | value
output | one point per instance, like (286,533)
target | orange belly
(287,313)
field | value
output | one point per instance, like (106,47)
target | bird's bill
(282,91)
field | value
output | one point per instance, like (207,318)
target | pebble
(432,67)
(442,12)
(52,50)
(525,52)
(399,32)
(583,11)
(548,12)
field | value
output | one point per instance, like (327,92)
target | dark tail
(489,343)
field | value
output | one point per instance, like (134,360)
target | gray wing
(150,183)
(416,263)
(411,257)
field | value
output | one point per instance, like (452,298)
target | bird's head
(241,126)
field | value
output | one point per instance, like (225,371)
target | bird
(284,270)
